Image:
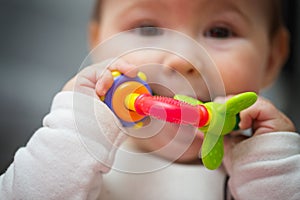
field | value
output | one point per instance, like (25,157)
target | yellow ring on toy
(119,96)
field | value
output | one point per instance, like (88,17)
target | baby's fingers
(264,117)
(104,83)
(124,67)
(106,79)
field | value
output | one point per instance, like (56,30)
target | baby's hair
(275,10)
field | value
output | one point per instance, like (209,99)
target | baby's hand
(93,121)
(264,117)
(96,80)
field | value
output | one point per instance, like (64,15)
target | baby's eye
(219,33)
(149,30)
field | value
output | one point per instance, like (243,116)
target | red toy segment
(171,110)
(204,116)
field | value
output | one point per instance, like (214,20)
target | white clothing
(61,161)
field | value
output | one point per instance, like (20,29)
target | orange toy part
(119,97)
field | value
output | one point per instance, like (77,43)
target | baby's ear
(94,34)
(279,53)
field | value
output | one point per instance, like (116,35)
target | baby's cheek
(241,83)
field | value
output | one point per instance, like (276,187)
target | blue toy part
(115,96)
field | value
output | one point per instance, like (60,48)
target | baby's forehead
(198,6)
(201,5)
(263,9)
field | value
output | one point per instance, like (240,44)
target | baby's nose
(179,65)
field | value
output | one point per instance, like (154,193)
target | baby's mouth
(160,90)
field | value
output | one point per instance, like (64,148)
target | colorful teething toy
(132,101)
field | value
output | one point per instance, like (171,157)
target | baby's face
(234,33)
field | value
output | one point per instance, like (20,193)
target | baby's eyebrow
(237,10)
(133,4)
(139,8)
(230,14)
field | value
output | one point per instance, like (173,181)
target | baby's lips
(161,90)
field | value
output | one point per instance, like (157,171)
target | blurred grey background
(42,45)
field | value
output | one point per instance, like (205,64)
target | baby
(248,44)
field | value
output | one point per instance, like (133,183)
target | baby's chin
(176,145)
(191,155)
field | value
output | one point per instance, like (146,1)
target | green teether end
(212,152)
(233,107)
(187,99)
(224,119)
(217,118)
(240,102)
